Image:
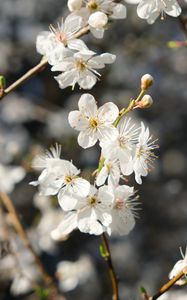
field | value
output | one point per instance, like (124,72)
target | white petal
(72,23)
(119,12)
(88,223)
(86,141)
(172,8)
(77,121)
(98,20)
(44,42)
(102,176)
(108,112)
(67,201)
(145,9)
(67,79)
(87,80)
(77,44)
(81,187)
(68,224)
(97,33)
(87,105)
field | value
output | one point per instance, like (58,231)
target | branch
(183,24)
(38,68)
(112,273)
(168,285)
(48,280)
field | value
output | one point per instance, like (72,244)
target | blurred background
(34,117)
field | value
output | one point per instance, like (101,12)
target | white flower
(178,267)
(89,214)
(81,68)
(53,43)
(59,175)
(9,176)
(93,123)
(143,155)
(109,8)
(110,171)
(151,9)
(123,146)
(71,274)
(123,211)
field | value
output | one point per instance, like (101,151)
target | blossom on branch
(89,9)
(90,214)
(123,211)
(80,67)
(93,123)
(151,9)
(59,175)
(54,44)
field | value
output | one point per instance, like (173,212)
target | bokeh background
(34,117)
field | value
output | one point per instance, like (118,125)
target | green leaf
(103,251)
(2,82)
(42,293)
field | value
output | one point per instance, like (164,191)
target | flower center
(68,179)
(140,152)
(94,123)
(80,65)
(92,200)
(59,35)
(122,142)
(92,5)
(109,167)
(119,203)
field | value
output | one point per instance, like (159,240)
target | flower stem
(48,280)
(111,270)
(39,67)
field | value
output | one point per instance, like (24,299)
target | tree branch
(48,280)
(112,273)
(39,67)
(168,285)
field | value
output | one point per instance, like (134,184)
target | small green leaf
(143,290)
(103,251)
(2,82)
(42,293)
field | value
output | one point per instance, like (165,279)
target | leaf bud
(2,82)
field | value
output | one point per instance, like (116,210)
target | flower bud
(146,81)
(146,101)
(98,20)
(74,4)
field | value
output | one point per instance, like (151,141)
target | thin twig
(183,24)
(168,285)
(48,280)
(112,273)
(39,67)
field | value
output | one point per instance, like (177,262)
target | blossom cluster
(108,205)
(69,55)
